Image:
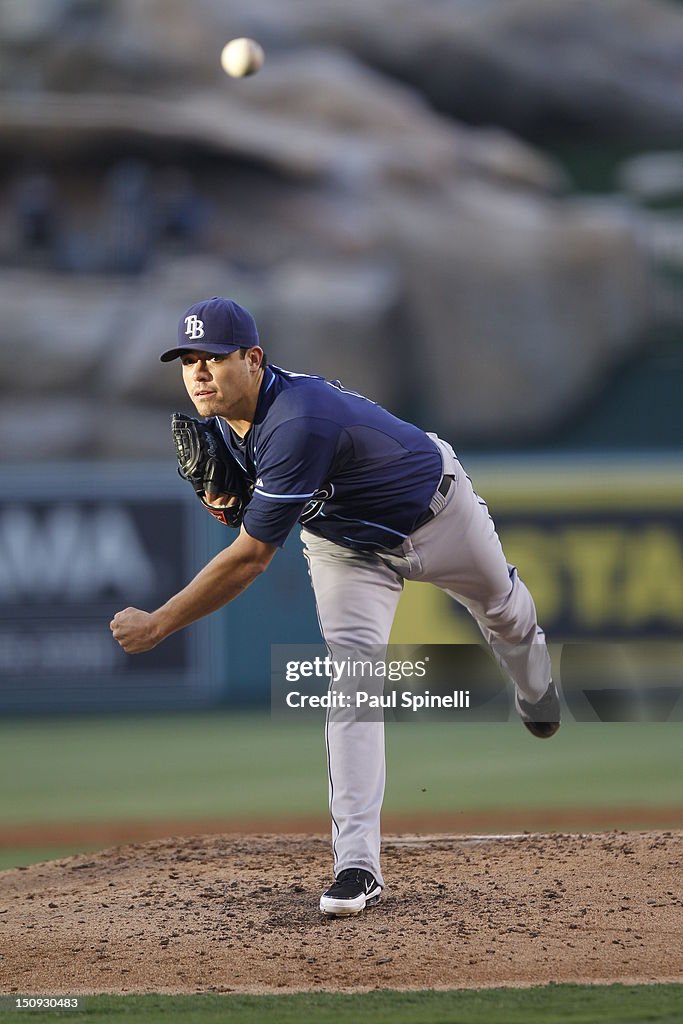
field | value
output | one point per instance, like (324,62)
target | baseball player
(379,501)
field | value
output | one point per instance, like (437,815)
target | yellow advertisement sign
(598,541)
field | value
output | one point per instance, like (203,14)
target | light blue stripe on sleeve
(283,497)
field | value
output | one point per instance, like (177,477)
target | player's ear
(255,356)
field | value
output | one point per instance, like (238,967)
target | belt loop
(448,479)
(448,456)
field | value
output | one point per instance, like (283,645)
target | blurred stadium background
(470,211)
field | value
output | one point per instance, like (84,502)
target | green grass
(550,1004)
(248,766)
(152,767)
(16,857)
(493,766)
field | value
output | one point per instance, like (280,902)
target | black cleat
(542,719)
(352,891)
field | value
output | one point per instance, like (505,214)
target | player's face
(219,385)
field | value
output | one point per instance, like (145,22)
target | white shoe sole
(347,908)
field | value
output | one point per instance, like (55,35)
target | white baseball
(242,57)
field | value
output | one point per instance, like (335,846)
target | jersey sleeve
(293,462)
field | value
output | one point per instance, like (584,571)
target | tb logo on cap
(194,327)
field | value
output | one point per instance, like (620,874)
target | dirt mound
(227,913)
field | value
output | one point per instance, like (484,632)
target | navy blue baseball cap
(216,325)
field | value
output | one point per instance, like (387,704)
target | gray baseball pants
(357,594)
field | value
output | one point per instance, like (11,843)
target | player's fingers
(220,500)
(126,643)
(121,616)
(118,626)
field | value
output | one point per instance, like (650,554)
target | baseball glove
(204,460)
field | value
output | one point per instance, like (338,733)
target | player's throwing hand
(133,629)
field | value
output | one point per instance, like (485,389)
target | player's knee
(511,619)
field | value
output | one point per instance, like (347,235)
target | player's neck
(240,427)
(241,419)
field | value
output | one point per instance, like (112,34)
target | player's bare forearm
(224,578)
(221,580)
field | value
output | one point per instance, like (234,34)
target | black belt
(443,489)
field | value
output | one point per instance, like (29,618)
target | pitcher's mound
(226,913)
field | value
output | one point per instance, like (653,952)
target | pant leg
(356,597)
(460,552)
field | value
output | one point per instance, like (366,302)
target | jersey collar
(266,396)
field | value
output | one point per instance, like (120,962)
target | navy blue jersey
(334,461)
